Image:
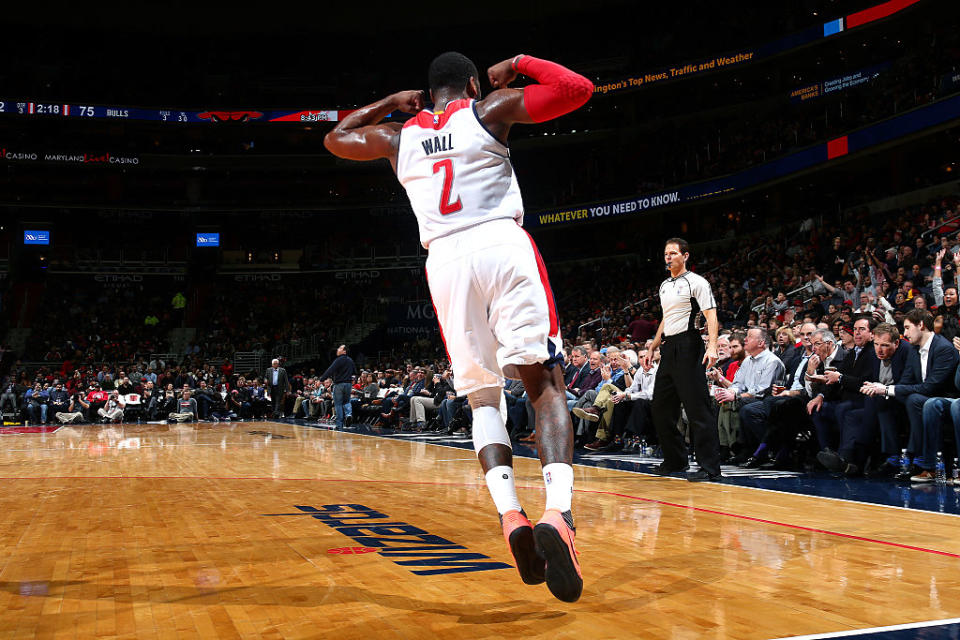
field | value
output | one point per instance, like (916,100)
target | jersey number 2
(447,207)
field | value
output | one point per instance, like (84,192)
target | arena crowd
(838,350)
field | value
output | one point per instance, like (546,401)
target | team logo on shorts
(547,477)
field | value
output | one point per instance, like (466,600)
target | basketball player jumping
(487,280)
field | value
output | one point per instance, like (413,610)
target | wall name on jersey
(437,144)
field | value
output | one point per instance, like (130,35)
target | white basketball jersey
(456,174)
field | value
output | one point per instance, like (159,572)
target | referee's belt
(688,334)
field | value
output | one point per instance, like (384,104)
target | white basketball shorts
(493,302)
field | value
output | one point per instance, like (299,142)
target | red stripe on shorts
(435,313)
(551,303)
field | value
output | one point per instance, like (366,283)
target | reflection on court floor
(266,530)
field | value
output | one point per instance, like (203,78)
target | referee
(681,378)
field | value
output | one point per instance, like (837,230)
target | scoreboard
(28,108)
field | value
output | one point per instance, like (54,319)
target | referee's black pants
(681,380)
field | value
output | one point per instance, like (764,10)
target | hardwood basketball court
(270,530)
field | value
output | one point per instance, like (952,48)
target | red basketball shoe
(518,532)
(554,536)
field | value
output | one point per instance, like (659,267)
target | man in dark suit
(936,412)
(879,413)
(843,392)
(276,380)
(929,372)
(828,353)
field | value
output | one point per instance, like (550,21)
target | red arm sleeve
(560,90)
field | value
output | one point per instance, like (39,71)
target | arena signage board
(838,83)
(938,113)
(743,56)
(36,237)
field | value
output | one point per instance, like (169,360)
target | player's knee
(487,397)
(489,428)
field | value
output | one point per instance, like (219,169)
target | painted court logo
(405,544)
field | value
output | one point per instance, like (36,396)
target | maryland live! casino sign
(405,544)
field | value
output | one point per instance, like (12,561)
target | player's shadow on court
(464,611)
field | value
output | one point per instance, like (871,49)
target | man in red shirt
(95,400)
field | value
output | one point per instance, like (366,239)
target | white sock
(559,480)
(502,489)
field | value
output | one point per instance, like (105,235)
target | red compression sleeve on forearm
(560,90)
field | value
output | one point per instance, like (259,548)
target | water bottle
(904,462)
(941,470)
(955,474)
(643,446)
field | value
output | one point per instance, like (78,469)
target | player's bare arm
(360,136)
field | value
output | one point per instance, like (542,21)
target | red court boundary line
(775,523)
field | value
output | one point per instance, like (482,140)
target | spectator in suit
(276,380)
(585,391)
(879,413)
(937,411)
(843,440)
(929,373)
